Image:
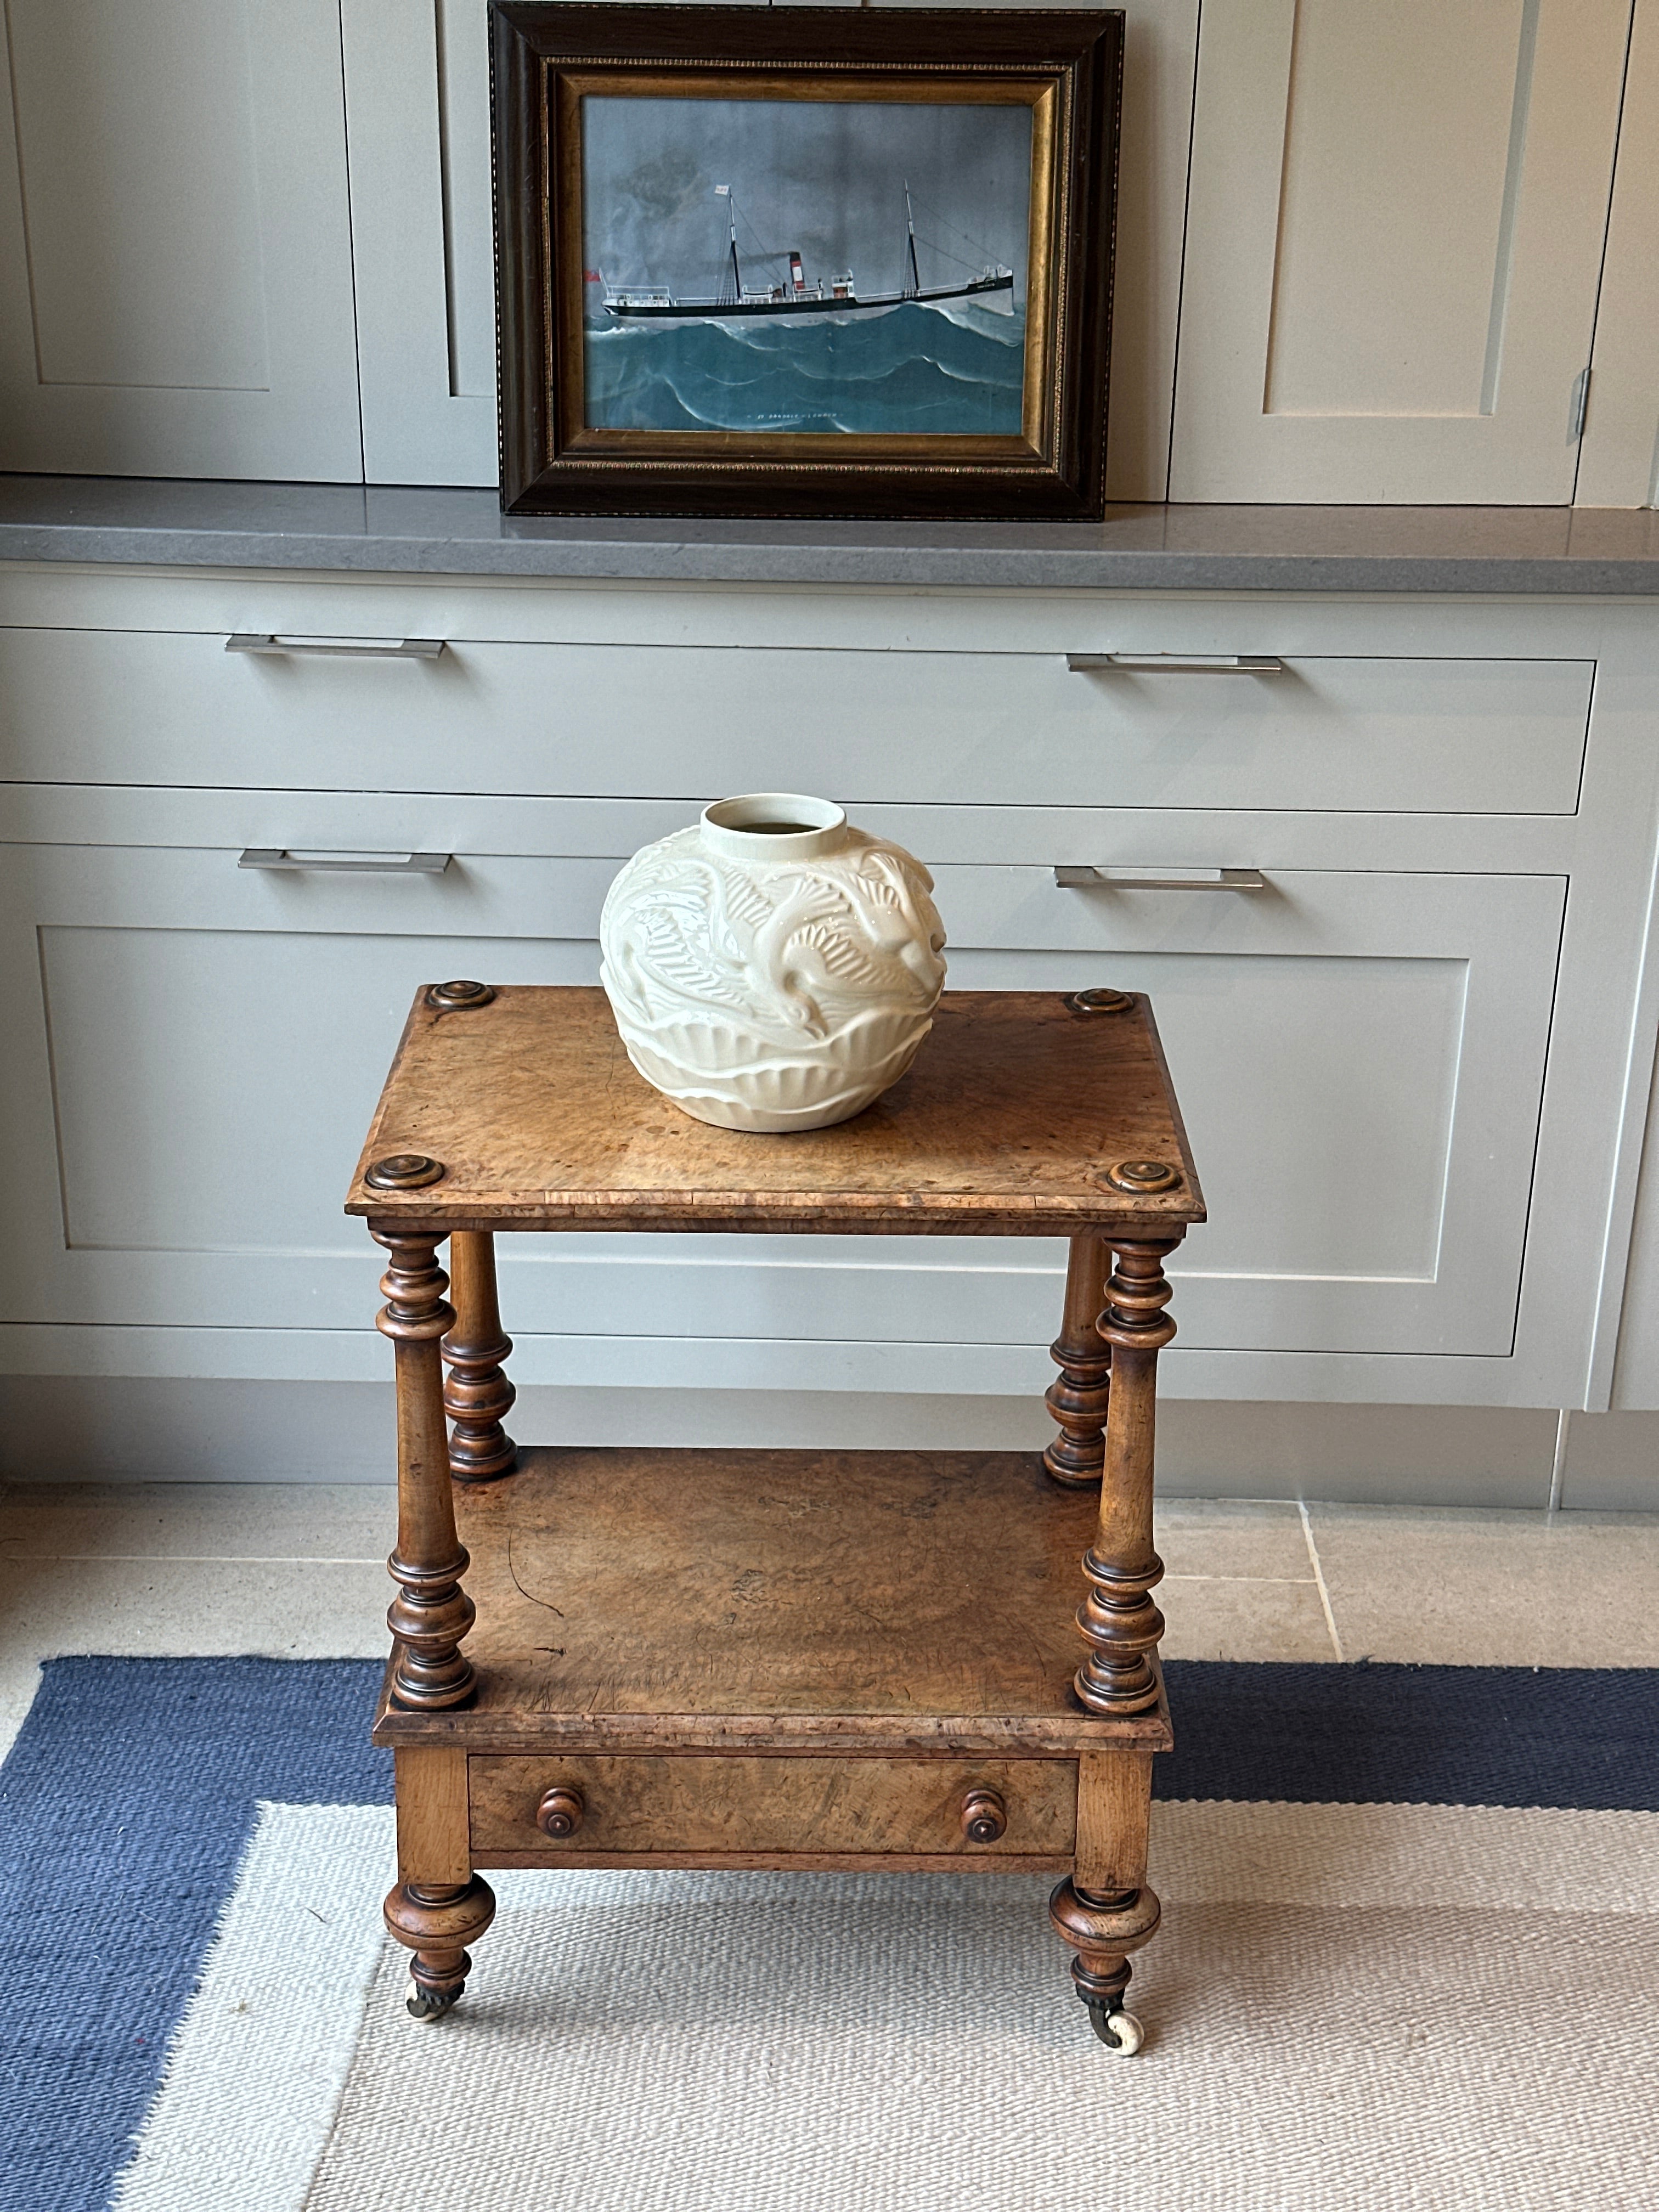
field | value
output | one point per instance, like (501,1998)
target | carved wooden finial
(403,1171)
(461,996)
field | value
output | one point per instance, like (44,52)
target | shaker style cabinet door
(1360,1057)
(175,250)
(1394,240)
(417,123)
(1619,466)
(195,1050)
(1636,1373)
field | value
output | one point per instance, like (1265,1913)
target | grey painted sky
(826,177)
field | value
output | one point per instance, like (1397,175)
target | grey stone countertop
(392,530)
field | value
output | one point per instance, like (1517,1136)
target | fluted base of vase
(774,1101)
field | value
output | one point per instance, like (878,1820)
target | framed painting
(804,261)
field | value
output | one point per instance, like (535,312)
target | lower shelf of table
(852,1604)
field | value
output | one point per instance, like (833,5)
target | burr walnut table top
(858,1602)
(1020,1105)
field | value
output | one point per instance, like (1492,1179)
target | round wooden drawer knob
(984,1816)
(559,1813)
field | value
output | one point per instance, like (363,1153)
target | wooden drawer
(776,1805)
(1325,732)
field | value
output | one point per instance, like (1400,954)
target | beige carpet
(1461,2013)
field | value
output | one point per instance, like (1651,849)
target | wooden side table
(788,1659)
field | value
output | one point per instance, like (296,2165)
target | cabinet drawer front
(772,1805)
(1322,733)
(1360,1060)
(1360,1056)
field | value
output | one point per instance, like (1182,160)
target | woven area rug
(1411,1943)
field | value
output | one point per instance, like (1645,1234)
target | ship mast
(724,194)
(910,229)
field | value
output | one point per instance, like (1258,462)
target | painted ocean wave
(912,369)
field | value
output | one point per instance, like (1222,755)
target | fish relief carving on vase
(771,967)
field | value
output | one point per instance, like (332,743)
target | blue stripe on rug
(130,1795)
(1387,1734)
(125,1808)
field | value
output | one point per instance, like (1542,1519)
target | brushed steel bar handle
(344,864)
(1179,664)
(1174,880)
(352,648)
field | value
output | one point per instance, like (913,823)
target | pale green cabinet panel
(1361,1057)
(1636,1377)
(1394,233)
(175,252)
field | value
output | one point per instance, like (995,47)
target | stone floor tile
(1492,1589)
(176,1608)
(20,1678)
(198,1520)
(1251,1538)
(1243,1620)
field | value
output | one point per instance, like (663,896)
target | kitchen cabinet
(1620,463)
(175,251)
(1636,1378)
(1395,233)
(255,242)
(1402,1026)
(1386,267)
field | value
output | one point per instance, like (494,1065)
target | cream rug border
(256,2070)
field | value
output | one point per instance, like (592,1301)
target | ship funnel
(798,275)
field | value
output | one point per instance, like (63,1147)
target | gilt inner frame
(898,84)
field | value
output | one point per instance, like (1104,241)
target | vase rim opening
(774,825)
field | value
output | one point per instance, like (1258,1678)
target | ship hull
(717,311)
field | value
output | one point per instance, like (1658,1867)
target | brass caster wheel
(429,2004)
(1118,2030)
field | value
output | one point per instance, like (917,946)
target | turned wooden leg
(1078,1400)
(439,1905)
(477,1393)
(431,1612)
(437,1921)
(1119,1621)
(1103,1909)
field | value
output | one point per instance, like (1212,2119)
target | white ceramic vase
(771,966)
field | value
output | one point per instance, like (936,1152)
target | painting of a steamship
(804,266)
(835,299)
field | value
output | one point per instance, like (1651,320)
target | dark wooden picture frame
(1067,67)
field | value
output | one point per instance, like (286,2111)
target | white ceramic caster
(1121,2032)
(421,2005)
